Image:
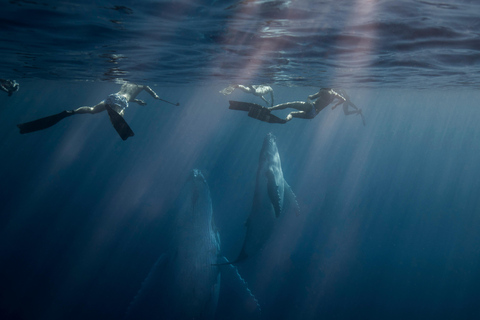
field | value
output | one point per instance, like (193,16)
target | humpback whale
(185,282)
(271,198)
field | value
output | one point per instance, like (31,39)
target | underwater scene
(255,159)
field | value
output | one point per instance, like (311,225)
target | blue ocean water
(389,222)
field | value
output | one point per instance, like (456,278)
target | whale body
(271,196)
(185,281)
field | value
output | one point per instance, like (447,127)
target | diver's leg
(298,114)
(298,105)
(336,105)
(43,123)
(95,109)
(49,121)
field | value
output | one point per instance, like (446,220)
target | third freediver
(115,104)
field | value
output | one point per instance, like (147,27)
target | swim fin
(119,123)
(243,106)
(256,111)
(42,123)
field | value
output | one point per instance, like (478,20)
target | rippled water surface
(405,43)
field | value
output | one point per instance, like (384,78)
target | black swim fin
(119,123)
(264,114)
(42,123)
(256,111)
(243,106)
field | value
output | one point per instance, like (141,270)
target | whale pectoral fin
(273,192)
(151,287)
(291,198)
(236,295)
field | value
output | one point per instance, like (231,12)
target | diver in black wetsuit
(9,86)
(115,104)
(306,110)
(309,109)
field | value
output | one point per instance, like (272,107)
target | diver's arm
(352,104)
(140,102)
(151,92)
(338,96)
(271,96)
(348,112)
(338,104)
(314,96)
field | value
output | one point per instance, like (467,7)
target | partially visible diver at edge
(257,90)
(115,104)
(9,86)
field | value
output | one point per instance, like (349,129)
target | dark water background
(390,221)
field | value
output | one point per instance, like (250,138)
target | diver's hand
(141,102)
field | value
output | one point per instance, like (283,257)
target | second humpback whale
(270,201)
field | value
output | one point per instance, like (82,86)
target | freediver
(306,110)
(9,86)
(314,104)
(115,104)
(257,90)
